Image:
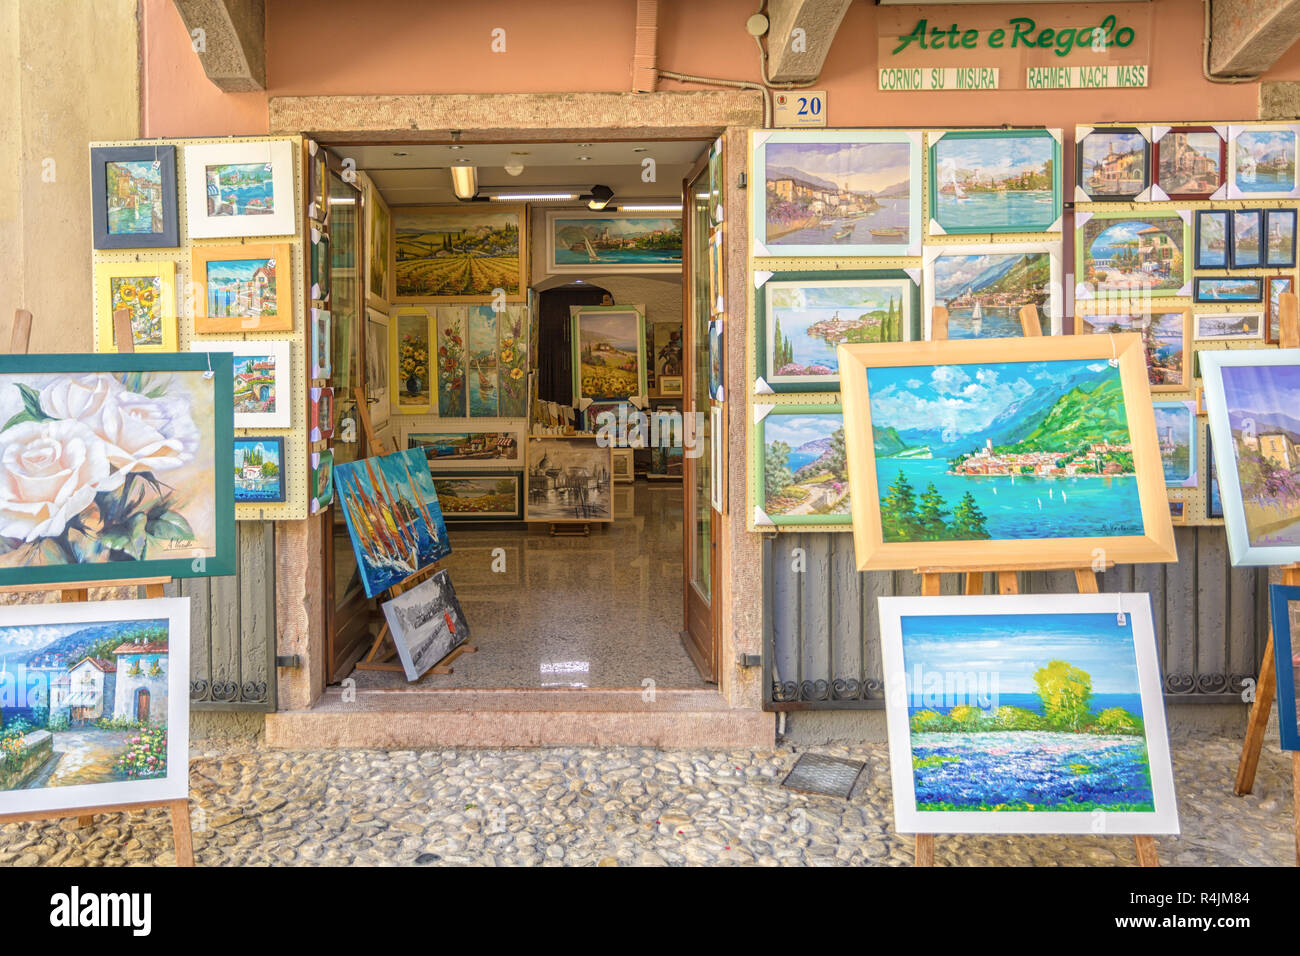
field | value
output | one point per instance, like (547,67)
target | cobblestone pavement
(618,806)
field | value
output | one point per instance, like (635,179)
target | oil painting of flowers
(107,467)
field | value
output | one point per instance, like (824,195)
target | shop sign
(902,79)
(1085,77)
(799,108)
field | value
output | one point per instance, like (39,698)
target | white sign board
(1086,77)
(910,78)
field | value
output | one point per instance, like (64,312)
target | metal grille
(828,776)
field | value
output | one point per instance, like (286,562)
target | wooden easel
(1008,583)
(153,588)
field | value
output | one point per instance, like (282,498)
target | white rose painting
(101,467)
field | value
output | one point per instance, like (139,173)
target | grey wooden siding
(821,638)
(232,627)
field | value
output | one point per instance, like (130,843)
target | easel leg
(181,834)
(1265,689)
(924,849)
(1146,850)
(974,582)
(1008,582)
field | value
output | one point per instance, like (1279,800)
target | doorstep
(520,718)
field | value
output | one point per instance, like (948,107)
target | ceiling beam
(1248,36)
(800,36)
(229,38)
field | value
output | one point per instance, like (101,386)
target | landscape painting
(1247,230)
(242,288)
(471,496)
(147,292)
(378,247)
(446,449)
(1060,719)
(1212,238)
(240,189)
(984,289)
(1113,163)
(427,624)
(1176,432)
(1166,341)
(609,360)
(609,243)
(450,253)
(803,472)
(1283,600)
(569,479)
(1190,162)
(482,355)
(133,189)
(95,709)
(995,181)
(1228,289)
(1262,162)
(321,479)
(259,470)
(1132,253)
(1229,325)
(1280,230)
(261,381)
(392,514)
(845,192)
(1276,286)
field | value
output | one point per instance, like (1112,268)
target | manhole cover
(830,776)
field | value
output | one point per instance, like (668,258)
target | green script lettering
(1045,37)
(936,38)
(996,38)
(917,34)
(1064,41)
(1021,32)
(969,39)
(952,37)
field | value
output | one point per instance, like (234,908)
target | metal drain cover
(829,776)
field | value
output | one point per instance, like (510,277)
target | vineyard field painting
(609,352)
(450,254)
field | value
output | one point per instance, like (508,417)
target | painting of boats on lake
(482,355)
(1262,162)
(1190,162)
(1132,253)
(984,291)
(449,253)
(803,472)
(1247,229)
(1212,238)
(240,189)
(134,193)
(1176,432)
(1113,163)
(259,470)
(1165,340)
(451,448)
(609,243)
(1228,289)
(995,181)
(1025,713)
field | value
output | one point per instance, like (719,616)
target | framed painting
(411,358)
(995,181)
(426,623)
(240,189)
(317,183)
(392,513)
(620,424)
(666,360)
(1112,163)
(800,467)
(1166,342)
(1176,432)
(569,479)
(1006,452)
(1228,289)
(133,192)
(320,415)
(147,290)
(376,367)
(1129,254)
(609,359)
(718,458)
(670,386)
(1279,229)
(101,714)
(454,449)
(379,247)
(835,193)
(450,324)
(459,253)
(611,243)
(1284,601)
(322,363)
(321,479)
(1229,326)
(716,183)
(512,360)
(263,385)
(243,288)
(717,272)
(624,466)
(480,495)
(1276,286)
(1190,162)
(84,498)
(259,470)
(1063,731)
(1247,230)
(717,358)
(1252,397)
(1261,162)
(985,287)
(321,267)
(800,318)
(1212,238)
(1213,499)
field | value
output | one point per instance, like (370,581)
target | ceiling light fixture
(650,207)
(600,197)
(464,181)
(533,197)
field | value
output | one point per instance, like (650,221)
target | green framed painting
(609,352)
(800,475)
(995,181)
(480,495)
(1132,254)
(109,467)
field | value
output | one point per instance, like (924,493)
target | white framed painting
(1056,725)
(101,711)
(1261,161)
(1228,326)
(263,385)
(984,287)
(240,189)
(608,243)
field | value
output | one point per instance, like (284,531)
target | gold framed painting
(459,253)
(413,384)
(1003,453)
(242,288)
(148,291)
(379,246)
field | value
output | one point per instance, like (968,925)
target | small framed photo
(1279,227)
(1247,228)
(1189,162)
(259,470)
(240,189)
(1212,238)
(263,385)
(243,288)
(133,189)
(320,267)
(1276,286)
(1113,164)
(1229,326)
(321,479)
(1228,289)
(322,414)
(670,385)
(321,364)
(147,290)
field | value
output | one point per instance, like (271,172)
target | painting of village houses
(1164,340)
(444,448)
(134,195)
(261,381)
(803,468)
(1264,161)
(984,291)
(1132,254)
(242,288)
(1190,162)
(1113,163)
(995,181)
(615,243)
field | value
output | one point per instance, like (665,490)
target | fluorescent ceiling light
(342,201)
(464,180)
(650,207)
(533,197)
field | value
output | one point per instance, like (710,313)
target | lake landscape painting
(1247,230)
(1212,238)
(1132,253)
(995,181)
(612,243)
(1228,289)
(259,470)
(1229,325)
(1262,162)
(1276,286)
(1176,432)
(1165,341)
(984,290)
(241,289)
(133,189)
(803,471)
(1280,250)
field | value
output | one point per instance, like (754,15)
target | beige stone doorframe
(551,117)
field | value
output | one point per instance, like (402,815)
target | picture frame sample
(1190,162)
(716,184)
(263,384)
(1176,432)
(1166,342)
(453,449)
(1228,289)
(376,368)
(1010,414)
(259,470)
(835,192)
(146,502)
(393,517)
(412,356)
(480,495)
(717,271)
(1247,238)
(1229,326)
(133,196)
(800,466)
(666,360)
(612,243)
(624,469)
(800,318)
(1131,253)
(321,479)
(320,413)
(995,181)
(148,291)
(1279,228)
(670,386)
(240,189)
(984,287)
(609,359)
(1261,161)
(379,248)
(459,253)
(1213,238)
(569,479)
(1286,658)
(1276,286)
(245,288)
(1067,727)
(1251,396)
(322,363)
(426,623)
(717,359)
(317,177)
(321,267)
(101,717)
(1113,163)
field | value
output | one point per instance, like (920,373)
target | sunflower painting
(146,291)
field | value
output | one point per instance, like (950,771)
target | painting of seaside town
(134,195)
(454,253)
(442,448)
(1175,424)
(1053,722)
(1228,289)
(1005,451)
(391,510)
(994,182)
(243,288)
(984,292)
(259,469)
(805,476)
(1263,403)
(616,243)
(807,321)
(240,189)
(839,194)
(1113,163)
(1247,224)
(1229,325)
(1264,161)
(256,380)
(1211,239)
(569,479)
(1281,237)
(1190,163)
(1164,340)
(1144,254)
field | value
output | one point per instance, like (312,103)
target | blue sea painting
(1176,434)
(1047,717)
(805,476)
(806,322)
(1003,451)
(240,189)
(259,469)
(994,182)
(484,385)
(617,241)
(1265,161)
(984,293)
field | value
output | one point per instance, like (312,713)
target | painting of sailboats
(392,513)
(604,243)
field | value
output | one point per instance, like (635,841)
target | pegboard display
(295,466)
